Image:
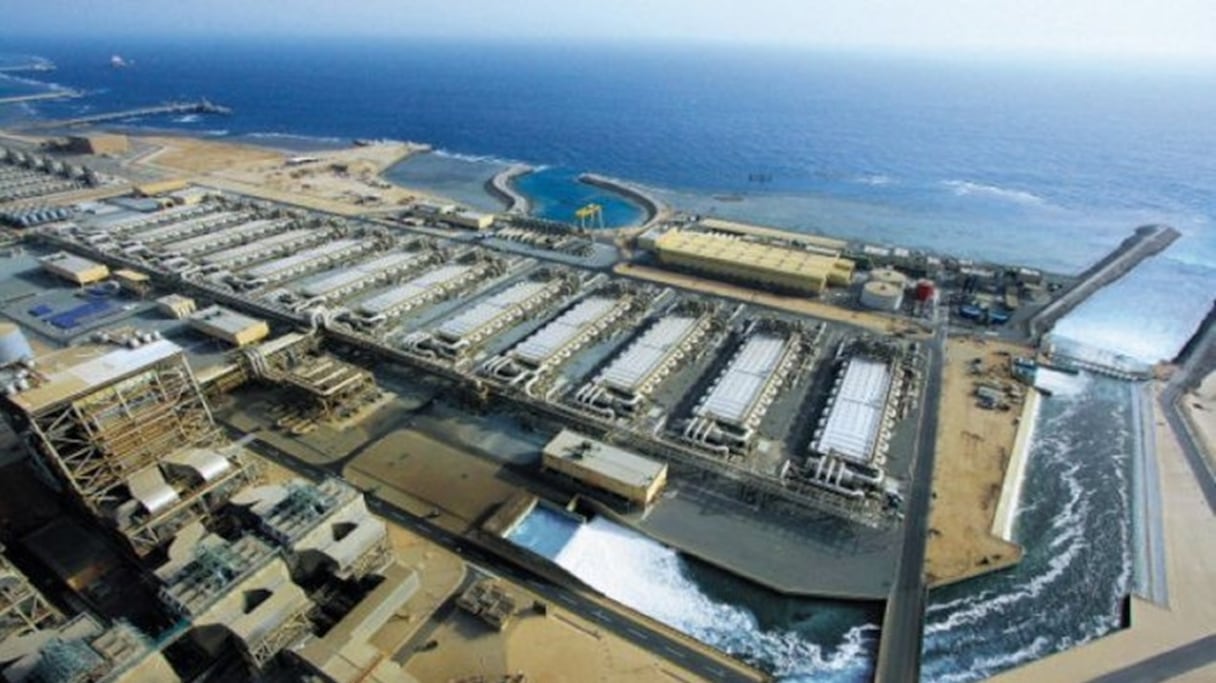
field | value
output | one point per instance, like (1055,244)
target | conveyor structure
(458,335)
(622,387)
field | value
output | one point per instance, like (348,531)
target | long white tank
(882,296)
(13,344)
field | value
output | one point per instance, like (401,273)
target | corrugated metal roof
(410,290)
(855,418)
(739,386)
(634,365)
(554,336)
(334,280)
(485,312)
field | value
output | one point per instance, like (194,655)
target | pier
(500,186)
(653,207)
(1147,241)
(194,107)
(36,97)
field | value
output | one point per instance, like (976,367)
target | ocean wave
(874,179)
(482,159)
(188,118)
(967,188)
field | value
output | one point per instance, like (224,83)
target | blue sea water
(1049,165)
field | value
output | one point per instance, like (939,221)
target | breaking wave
(967,188)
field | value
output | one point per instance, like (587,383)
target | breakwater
(653,207)
(500,187)
(1147,241)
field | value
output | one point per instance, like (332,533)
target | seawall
(652,206)
(1015,471)
(501,188)
(1147,241)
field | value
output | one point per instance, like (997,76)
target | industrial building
(321,526)
(176,306)
(560,338)
(239,589)
(23,608)
(229,326)
(457,335)
(211,233)
(266,248)
(85,650)
(785,269)
(621,388)
(345,654)
(301,263)
(847,453)
(122,426)
(726,418)
(464,218)
(78,270)
(133,281)
(334,285)
(336,388)
(626,475)
(418,291)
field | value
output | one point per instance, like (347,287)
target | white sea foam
(1062,384)
(967,188)
(188,118)
(874,179)
(480,158)
(649,577)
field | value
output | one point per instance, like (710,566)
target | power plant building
(123,427)
(786,269)
(630,476)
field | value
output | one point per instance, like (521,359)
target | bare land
(344,181)
(974,449)
(1200,407)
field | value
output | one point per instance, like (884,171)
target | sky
(1126,28)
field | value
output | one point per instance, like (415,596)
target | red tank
(924,290)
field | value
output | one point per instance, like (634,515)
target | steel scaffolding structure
(23,609)
(108,426)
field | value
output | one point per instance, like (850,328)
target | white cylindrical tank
(14,346)
(882,296)
(889,275)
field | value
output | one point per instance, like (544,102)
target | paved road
(675,650)
(903,625)
(1166,665)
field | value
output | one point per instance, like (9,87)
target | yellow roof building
(784,268)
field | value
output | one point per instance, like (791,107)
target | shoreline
(502,188)
(653,208)
(1015,471)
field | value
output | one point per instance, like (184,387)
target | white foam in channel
(649,577)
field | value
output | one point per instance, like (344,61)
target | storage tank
(925,290)
(14,346)
(882,296)
(890,276)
